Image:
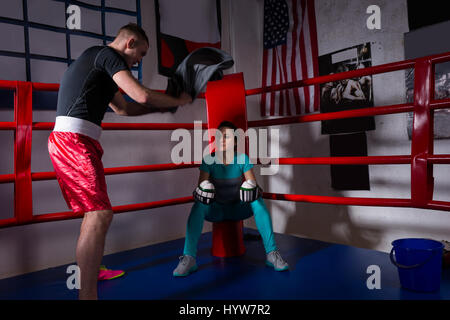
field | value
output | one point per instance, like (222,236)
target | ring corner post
(422,136)
(23,118)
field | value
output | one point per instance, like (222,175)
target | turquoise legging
(219,212)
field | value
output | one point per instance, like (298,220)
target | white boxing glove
(205,192)
(249,191)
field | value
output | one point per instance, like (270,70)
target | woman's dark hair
(227,124)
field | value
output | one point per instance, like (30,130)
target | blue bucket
(419,263)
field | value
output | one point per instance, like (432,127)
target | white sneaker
(185,267)
(275,260)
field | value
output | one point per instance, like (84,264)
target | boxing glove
(205,192)
(249,191)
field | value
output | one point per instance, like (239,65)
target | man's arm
(142,95)
(125,108)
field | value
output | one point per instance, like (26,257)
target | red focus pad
(225,101)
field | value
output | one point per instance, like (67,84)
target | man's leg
(90,246)
(76,159)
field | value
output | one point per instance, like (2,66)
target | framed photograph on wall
(346,94)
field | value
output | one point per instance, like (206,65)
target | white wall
(340,24)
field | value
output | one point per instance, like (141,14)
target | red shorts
(79,171)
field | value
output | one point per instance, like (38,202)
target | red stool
(228,239)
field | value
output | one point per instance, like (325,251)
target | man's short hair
(134,29)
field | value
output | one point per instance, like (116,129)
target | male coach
(88,87)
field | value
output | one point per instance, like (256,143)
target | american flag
(290,54)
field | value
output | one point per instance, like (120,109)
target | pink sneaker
(107,274)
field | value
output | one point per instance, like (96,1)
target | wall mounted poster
(355,93)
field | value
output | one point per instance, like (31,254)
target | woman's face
(226,141)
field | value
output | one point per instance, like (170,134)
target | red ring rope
(421,158)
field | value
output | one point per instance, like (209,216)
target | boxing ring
(421,159)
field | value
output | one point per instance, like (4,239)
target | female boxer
(223,195)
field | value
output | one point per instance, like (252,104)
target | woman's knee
(198,212)
(200,208)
